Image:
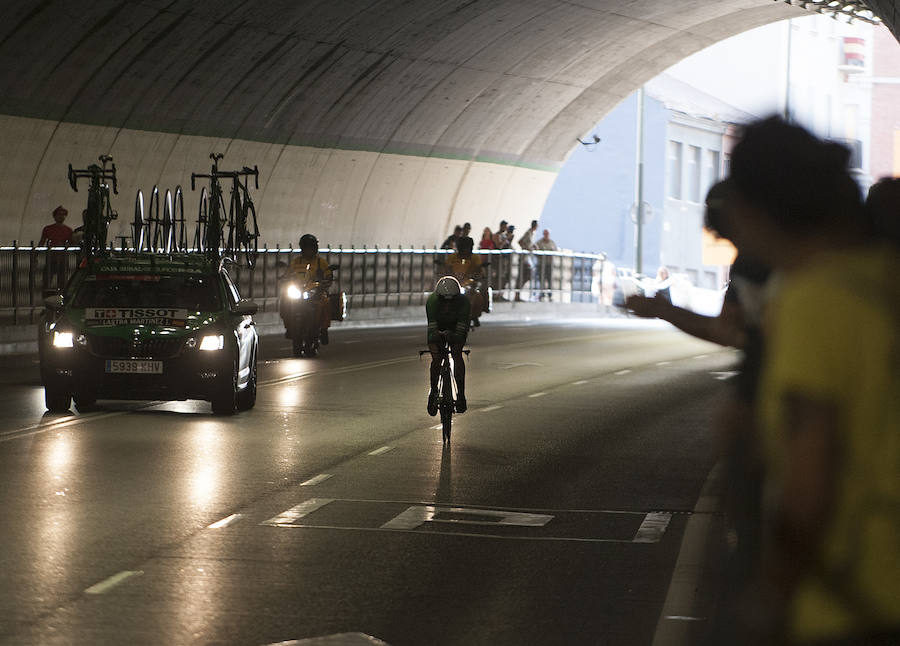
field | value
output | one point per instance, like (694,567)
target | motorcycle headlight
(212,342)
(63,339)
(81,340)
(294,292)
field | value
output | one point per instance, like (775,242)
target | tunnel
(371,122)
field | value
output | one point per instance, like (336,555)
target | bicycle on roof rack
(234,228)
(160,232)
(99,212)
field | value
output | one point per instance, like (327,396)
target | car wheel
(224,399)
(246,399)
(57,397)
(85,399)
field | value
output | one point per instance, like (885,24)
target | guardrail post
(15,282)
(31,255)
(387,275)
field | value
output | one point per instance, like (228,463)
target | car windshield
(193,293)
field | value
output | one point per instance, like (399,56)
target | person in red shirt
(57,234)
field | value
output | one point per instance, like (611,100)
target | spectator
(466,230)
(487,239)
(545,265)
(500,236)
(828,400)
(56,235)
(883,208)
(663,282)
(450,242)
(526,261)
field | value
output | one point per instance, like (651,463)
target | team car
(150,327)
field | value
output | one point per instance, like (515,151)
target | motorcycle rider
(466,268)
(308,268)
(448,313)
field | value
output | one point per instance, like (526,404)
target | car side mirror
(54,302)
(246,307)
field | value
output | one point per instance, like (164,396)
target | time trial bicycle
(446,386)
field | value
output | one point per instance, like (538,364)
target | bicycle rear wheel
(248,233)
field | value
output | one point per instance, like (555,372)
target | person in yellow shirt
(309,269)
(467,269)
(829,398)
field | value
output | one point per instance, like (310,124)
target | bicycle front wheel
(446,406)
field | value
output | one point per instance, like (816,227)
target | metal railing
(370,276)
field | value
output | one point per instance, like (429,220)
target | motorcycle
(301,311)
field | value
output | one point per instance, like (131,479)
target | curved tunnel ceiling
(509,81)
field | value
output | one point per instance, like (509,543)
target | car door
(244,329)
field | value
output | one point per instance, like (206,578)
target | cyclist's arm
(431,313)
(463,315)
(327,275)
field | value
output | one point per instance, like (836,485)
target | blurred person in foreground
(738,324)
(883,208)
(828,404)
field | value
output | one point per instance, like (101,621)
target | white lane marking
(322,477)
(490,408)
(113,581)
(437,427)
(684,586)
(653,527)
(286,518)
(540,394)
(457,534)
(337,639)
(382,450)
(622,372)
(701,356)
(682,618)
(225,522)
(580,382)
(354,341)
(510,366)
(418,515)
(725,374)
(65,422)
(663,363)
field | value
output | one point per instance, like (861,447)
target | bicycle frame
(99,213)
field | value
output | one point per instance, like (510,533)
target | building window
(693,173)
(711,170)
(675,170)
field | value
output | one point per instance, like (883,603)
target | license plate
(134,366)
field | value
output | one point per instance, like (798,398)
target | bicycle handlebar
(94,172)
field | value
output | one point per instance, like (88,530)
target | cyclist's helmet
(465,243)
(309,241)
(447,287)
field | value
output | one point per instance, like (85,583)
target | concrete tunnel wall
(371,123)
(343,196)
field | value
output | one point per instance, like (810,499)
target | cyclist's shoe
(461,403)
(432,403)
(476,322)
(323,337)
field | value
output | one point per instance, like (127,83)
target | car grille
(106,346)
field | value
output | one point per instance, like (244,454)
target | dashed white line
(111,582)
(322,477)
(382,450)
(663,363)
(622,372)
(225,522)
(285,518)
(580,382)
(533,395)
(490,408)
(437,427)
(653,527)
(701,356)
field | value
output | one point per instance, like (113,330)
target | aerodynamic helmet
(447,287)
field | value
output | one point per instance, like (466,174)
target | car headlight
(212,342)
(294,292)
(62,339)
(305,295)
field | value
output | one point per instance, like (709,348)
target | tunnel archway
(370,123)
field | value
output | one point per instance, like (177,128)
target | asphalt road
(556,516)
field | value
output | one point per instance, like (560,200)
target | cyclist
(309,267)
(466,268)
(448,313)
